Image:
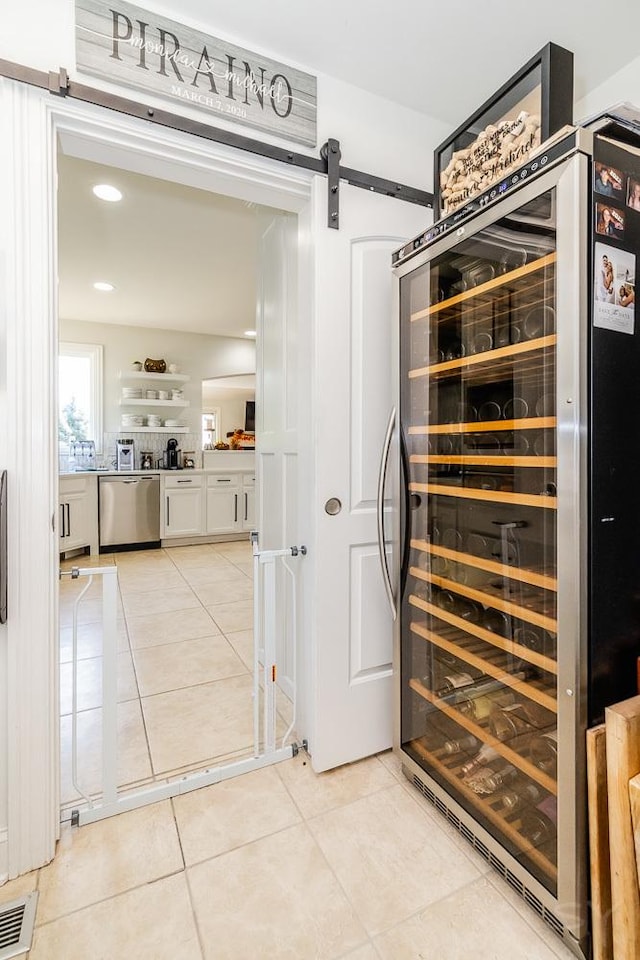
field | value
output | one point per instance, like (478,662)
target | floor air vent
(16,926)
(556,925)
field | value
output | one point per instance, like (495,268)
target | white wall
(622,86)
(198,356)
(376,135)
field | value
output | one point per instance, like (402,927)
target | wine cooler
(517,607)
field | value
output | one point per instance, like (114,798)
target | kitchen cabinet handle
(384,460)
(62,533)
(246,506)
(167,499)
(235,498)
(223,479)
(185,481)
(68,506)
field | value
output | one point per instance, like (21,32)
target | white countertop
(240,467)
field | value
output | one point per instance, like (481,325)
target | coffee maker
(172,456)
(125,455)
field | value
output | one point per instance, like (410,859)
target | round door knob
(333,506)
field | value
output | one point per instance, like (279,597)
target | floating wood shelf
(484,426)
(124,402)
(490,496)
(143,375)
(502,643)
(486,809)
(487,599)
(491,566)
(484,736)
(488,356)
(465,460)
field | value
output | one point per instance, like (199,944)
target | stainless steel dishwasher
(129,510)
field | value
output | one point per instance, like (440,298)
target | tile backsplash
(154,443)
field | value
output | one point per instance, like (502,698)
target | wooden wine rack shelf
(490,496)
(485,806)
(487,599)
(464,460)
(485,666)
(484,426)
(494,357)
(476,293)
(484,736)
(503,643)
(491,566)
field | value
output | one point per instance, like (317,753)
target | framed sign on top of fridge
(499,136)
(126,44)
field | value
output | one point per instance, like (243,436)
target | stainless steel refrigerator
(514,571)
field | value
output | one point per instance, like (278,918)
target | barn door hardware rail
(327,164)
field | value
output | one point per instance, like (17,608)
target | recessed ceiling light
(249,333)
(104,287)
(104,191)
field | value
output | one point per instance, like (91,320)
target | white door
(277,417)
(352,675)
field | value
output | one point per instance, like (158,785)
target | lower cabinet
(248,501)
(231,500)
(78,513)
(182,513)
(224,492)
(207,504)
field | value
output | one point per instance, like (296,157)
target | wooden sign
(128,45)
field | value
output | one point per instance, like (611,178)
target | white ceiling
(443,59)
(179,258)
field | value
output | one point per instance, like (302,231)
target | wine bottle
(453,681)
(516,719)
(478,701)
(519,798)
(488,780)
(467,744)
(486,754)
(544,752)
(539,825)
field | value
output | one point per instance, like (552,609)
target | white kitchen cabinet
(248,501)
(230,503)
(182,506)
(224,503)
(78,513)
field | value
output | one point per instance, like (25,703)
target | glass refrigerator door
(479,609)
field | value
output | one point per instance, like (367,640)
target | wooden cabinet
(78,513)
(182,506)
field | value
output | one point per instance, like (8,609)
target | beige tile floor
(185,659)
(282,864)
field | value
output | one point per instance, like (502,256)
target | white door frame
(31,120)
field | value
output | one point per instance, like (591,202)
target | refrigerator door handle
(384,460)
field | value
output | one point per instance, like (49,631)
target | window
(210,423)
(80,392)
